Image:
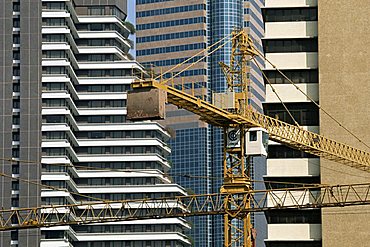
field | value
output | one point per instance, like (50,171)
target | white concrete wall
(296,60)
(301,29)
(288,93)
(292,198)
(293,167)
(294,231)
(290,3)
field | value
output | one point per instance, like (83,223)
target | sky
(131,17)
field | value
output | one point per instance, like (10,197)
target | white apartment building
(68,83)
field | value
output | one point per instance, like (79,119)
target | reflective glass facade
(197,147)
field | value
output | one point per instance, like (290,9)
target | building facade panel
(344,92)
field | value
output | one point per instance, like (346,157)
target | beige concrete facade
(344,58)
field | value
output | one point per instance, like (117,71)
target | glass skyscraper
(169,32)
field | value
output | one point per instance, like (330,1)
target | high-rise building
(290,42)
(168,33)
(344,92)
(321,47)
(65,71)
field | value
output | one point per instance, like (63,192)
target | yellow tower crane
(236,199)
(234,112)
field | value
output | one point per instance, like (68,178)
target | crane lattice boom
(195,205)
(279,131)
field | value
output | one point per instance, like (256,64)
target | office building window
(297,76)
(283,152)
(290,45)
(294,216)
(289,14)
(306,114)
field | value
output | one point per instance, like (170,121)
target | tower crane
(236,199)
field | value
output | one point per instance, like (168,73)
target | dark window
(289,14)
(16,23)
(252,136)
(16,55)
(16,71)
(16,120)
(14,235)
(297,76)
(294,217)
(15,152)
(54,151)
(283,152)
(53,38)
(291,182)
(53,119)
(15,136)
(15,202)
(294,244)
(54,22)
(16,87)
(15,185)
(306,114)
(290,45)
(15,169)
(16,7)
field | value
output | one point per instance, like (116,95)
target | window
(16,55)
(53,119)
(53,5)
(294,217)
(306,114)
(291,45)
(53,38)
(14,235)
(53,86)
(16,23)
(54,151)
(15,169)
(16,120)
(53,102)
(95,10)
(54,22)
(16,87)
(289,14)
(15,185)
(16,103)
(16,71)
(283,152)
(294,244)
(15,136)
(252,136)
(54,70)
(16,7)
(297,76)
(15,202)
(54,54)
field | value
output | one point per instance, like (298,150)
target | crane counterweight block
(146,103)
